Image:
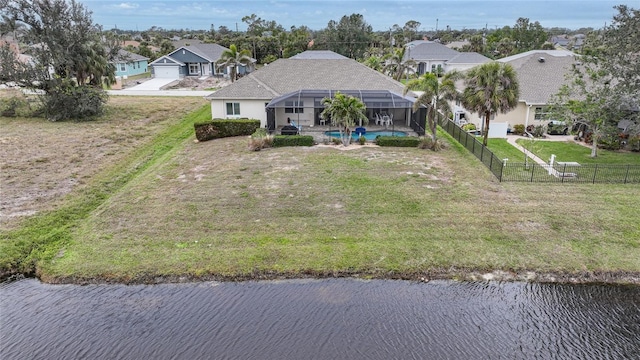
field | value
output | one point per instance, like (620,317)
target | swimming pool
(369,135)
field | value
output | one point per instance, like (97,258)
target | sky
(380,14)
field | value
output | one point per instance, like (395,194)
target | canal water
(319,319)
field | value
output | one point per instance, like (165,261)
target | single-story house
(431,56)
(540,75)
(194,60)
(294,88)
(128,63)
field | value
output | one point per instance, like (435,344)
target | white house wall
(252,109)
(513,117)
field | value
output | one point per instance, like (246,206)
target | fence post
(595,171)
(502,170)
(533,169)
(564,171)
(626,176)
(482,153)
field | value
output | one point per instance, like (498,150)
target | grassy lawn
(504,150)
(177,208)
(569,151)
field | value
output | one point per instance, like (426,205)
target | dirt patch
(41,161)
(194,83)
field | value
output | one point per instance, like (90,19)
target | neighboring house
(294,88)
(431,56)
(540,74)
(194,60)
(574,42)
(129,64)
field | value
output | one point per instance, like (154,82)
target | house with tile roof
(540,75)
(194,60)
(294,88)
(431,56)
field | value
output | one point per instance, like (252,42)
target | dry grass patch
(41,161)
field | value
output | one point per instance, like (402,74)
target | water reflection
(319,319)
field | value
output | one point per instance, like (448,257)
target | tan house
(540,73)
(294,88)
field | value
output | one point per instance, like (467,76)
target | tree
(603,86)
(350,36)
(435,96)
(397,66)
(234,58)
(490,88)
(71,57)
(344,111)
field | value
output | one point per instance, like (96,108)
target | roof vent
(541,59)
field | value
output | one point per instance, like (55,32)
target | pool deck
(318,131)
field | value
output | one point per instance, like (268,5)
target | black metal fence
(533,172)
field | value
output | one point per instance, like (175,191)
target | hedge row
(292,140)
(221,128)
(405,141)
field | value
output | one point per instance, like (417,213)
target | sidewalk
(511,139)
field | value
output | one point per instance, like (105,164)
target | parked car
(556,127)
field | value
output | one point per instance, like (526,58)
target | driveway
(152,84)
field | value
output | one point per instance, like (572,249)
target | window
(233,109)
(123,67)
(294,107)
(194,69)
(542,114)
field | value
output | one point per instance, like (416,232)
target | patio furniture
(378,119)
(360,131)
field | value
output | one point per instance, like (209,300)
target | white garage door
(166,72)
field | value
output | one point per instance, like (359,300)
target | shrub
(336,140)
(610,142)
(260,139)
(405,141)
(221,128)
(538,131)
(518,129)
(13,107)
(468,127)
(362,140)
(634,144)
(68,101)
(292,140)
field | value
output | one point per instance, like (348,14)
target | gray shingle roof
(540,80)
(468,58)
(127,56)
(287,75)
(428,50)
(318,54)
(210,52)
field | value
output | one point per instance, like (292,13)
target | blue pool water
(369,135)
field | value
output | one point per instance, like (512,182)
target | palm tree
(344,111)
(396,66)
(435,96)
(490,88)
(234,59)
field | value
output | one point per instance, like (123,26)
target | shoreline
(585,277)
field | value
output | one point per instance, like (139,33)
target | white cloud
(127,6)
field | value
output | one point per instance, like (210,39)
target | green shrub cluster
(14,106)
(468,127)
(292,140)
(518,129)
(221,128)
(405,141)
(80,103)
